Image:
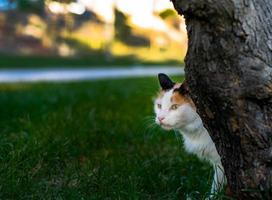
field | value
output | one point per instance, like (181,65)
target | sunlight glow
(149,21)
(62,8)
(76,8)
(141,11)
(57,8)
(103,8)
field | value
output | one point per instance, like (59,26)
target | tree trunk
(229,71)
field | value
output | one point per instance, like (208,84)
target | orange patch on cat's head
(180,99)
(162,92)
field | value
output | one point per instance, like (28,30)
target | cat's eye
(174,107)
(159,106)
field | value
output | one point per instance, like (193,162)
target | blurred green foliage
(31,5)
(168,13)
(39,29)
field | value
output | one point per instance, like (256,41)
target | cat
(175,110)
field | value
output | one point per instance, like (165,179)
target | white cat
(175,110)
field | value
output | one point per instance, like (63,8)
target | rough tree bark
(229,71)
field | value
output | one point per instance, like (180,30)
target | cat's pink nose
(161,118)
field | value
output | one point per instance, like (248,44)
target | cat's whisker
(178,136)
(149,117)
(151,125)
(148,120)
(148,123)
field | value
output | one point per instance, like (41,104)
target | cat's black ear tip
(165,81)
(161,75)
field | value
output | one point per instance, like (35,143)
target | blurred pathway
(77,74)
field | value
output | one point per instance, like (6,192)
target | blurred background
(90,32)
(68,130)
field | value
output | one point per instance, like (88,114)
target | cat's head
(173,106)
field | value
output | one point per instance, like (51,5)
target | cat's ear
(165,82)
(184,88)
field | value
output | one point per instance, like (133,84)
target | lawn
(92,140)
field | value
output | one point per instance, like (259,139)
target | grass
(91,140)
(95,59)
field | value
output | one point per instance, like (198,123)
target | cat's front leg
(218,180)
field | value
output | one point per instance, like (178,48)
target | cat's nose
(161,118)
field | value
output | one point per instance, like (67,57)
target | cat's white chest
(201,144)
(192,145)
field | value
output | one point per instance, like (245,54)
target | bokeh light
(140,31)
